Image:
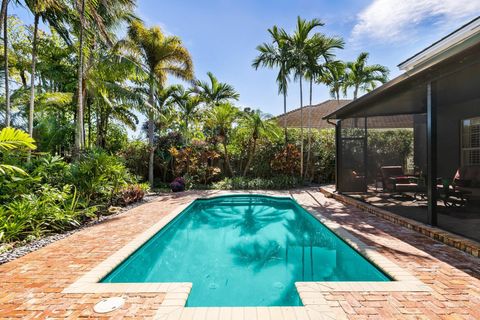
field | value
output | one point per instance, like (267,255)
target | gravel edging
(20,251)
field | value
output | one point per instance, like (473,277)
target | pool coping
(311,293)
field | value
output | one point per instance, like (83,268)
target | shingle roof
(317,112)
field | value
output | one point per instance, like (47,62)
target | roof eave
(437,51)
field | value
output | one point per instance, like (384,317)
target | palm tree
(5,57)
(319,53)
(49,11)
(188,108)
(3,13)
(108,91)
(215,92)
(300,43)
(276,54)
(159,55)
(11,139)
(361,76)
(79,133)
(334,78)
(222,118)
(257,126)
(165,98)
(95,20)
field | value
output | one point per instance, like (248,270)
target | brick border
(311,293)
(469,246)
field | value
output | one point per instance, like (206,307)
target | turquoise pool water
(245,250)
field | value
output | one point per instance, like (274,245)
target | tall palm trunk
(151,124)
(227,157)
(250,156)
(32,76)
(79,137)
(3,12)
(5,55)
(89,119)
(285,117)
(309,151)
(301,126)
(355,92)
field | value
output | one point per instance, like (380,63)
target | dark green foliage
(57,196)
(275,183)
(388,147)
(99,176)
(47,211)
(135,157)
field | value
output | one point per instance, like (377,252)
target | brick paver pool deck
(31,287)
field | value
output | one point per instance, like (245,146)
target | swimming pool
(244,250)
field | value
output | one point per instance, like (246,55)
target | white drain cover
(109,305)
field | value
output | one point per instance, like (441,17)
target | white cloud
(396,20)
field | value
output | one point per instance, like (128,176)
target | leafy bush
(178,185)
(131,194)
(280,182)
(196,162)
(287,161)
(99,176)
(135,156)
(50,210)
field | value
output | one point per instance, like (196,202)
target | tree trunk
(151,129)
(89,119)
(3,13)
(355,93)
(285,117)
(5,55)
(79,138)
(85,105)
(309,151)
(250,157)
(32,76)
(301,127)
(227,157)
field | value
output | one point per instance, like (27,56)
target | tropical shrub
(135,157)
(178,185)
(99,176)
(279,182)
(131,194)
(196,162)
(48,211)
(287,161)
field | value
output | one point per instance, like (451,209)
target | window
(471,142)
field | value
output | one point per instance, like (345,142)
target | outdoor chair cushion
(467,179)
(393,176)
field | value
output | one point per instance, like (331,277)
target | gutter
(330,122)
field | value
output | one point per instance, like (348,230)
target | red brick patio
(30,287)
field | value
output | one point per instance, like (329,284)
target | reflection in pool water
(245,250)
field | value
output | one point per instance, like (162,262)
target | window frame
(464,149)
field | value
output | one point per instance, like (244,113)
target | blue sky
(222,34)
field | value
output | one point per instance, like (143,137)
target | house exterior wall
(449,134)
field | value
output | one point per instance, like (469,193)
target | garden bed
(12,251)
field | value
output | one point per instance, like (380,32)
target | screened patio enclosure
(413,145)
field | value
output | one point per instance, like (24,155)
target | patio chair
(467,180)
(394,180)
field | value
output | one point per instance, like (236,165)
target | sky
(222,35)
